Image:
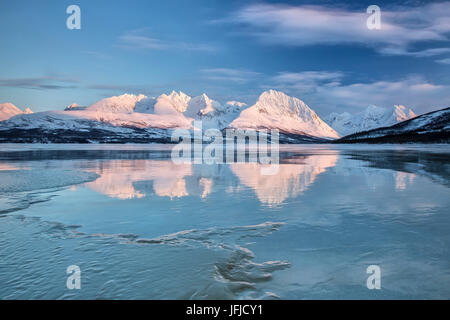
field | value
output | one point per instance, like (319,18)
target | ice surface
(142,227)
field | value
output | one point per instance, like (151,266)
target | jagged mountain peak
(175,102)
(370,118)
(180,94)
(402,113)
(276,110)
(8,106)
(202,105)
(277,102)
(9,110)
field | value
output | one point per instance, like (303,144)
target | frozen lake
(141,227)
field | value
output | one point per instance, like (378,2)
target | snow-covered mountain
(111,114)
(125,118)
(430,127)
(236,103)
(174,103)
(212,113)
(276,110)
(117,104)
(8,110)
(373,117)
(142,118)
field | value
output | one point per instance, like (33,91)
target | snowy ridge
(117,104)
(373,117)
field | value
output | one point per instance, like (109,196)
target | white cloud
(96,54)
(231,75)
(444,61)
(137,40)
(312,25)
(307,77)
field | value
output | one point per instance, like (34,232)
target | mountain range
(141,119)
(430,127)
(371,118)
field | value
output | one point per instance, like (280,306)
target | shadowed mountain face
(433,127)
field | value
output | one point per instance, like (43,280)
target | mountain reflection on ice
(141,226)
(119,178)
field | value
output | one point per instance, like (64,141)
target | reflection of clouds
(291,179)
(10,167)
(118,176)
(402,179)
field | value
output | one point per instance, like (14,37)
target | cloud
(231,75)
(137,40)
(444,61)
(96,54)
(315,25)
(40,83)
(307,77)
(336,91)
(117,87)
(328,95)
(420,54)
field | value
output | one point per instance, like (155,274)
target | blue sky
(319,51)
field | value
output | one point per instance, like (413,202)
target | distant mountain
(236,104)
(8,110)
(73,107)
(432,127)
(276,110)
(373,117)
